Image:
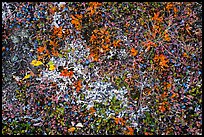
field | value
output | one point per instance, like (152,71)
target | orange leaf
(156,58)
(169,86)
(47,52)
(131,131)
(166,36)
(117,120)
(78,89)
(185,55)
(121,121)
(162,60)
(106,48)
(58,31)
(146,133)
(3,48)
(78,85)
(174,94)
(175,10)
(76,21)
(107,40)
(40,57)
(74,18)
(134,52)
(71,73)
(156,17)
(92,110)
(64,73)
(169,6)
(115,43)
(92,11)
(93,37)
(89,8)
(55,53)
(103,30)
(78,16)
(91,55)
(164,95)
(55,30)
(59,34)
(71,129)
(95,31)
(95,58)
(187,27)
(40,49)
(148,44)
(95,4)
(162,108)
(54,44)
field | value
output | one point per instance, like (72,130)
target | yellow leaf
(27,76)
(52,67)
(71,129)
(36,63)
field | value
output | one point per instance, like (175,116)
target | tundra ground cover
(102,68)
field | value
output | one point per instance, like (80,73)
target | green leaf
(50,63)
(52,115)
(61,110)
(60,56)
(114,99)
(91,65)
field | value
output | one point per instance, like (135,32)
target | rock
(79,125)
(38,124)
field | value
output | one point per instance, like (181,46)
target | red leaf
(78,85)
(65,73)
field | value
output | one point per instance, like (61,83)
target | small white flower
(73,123)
